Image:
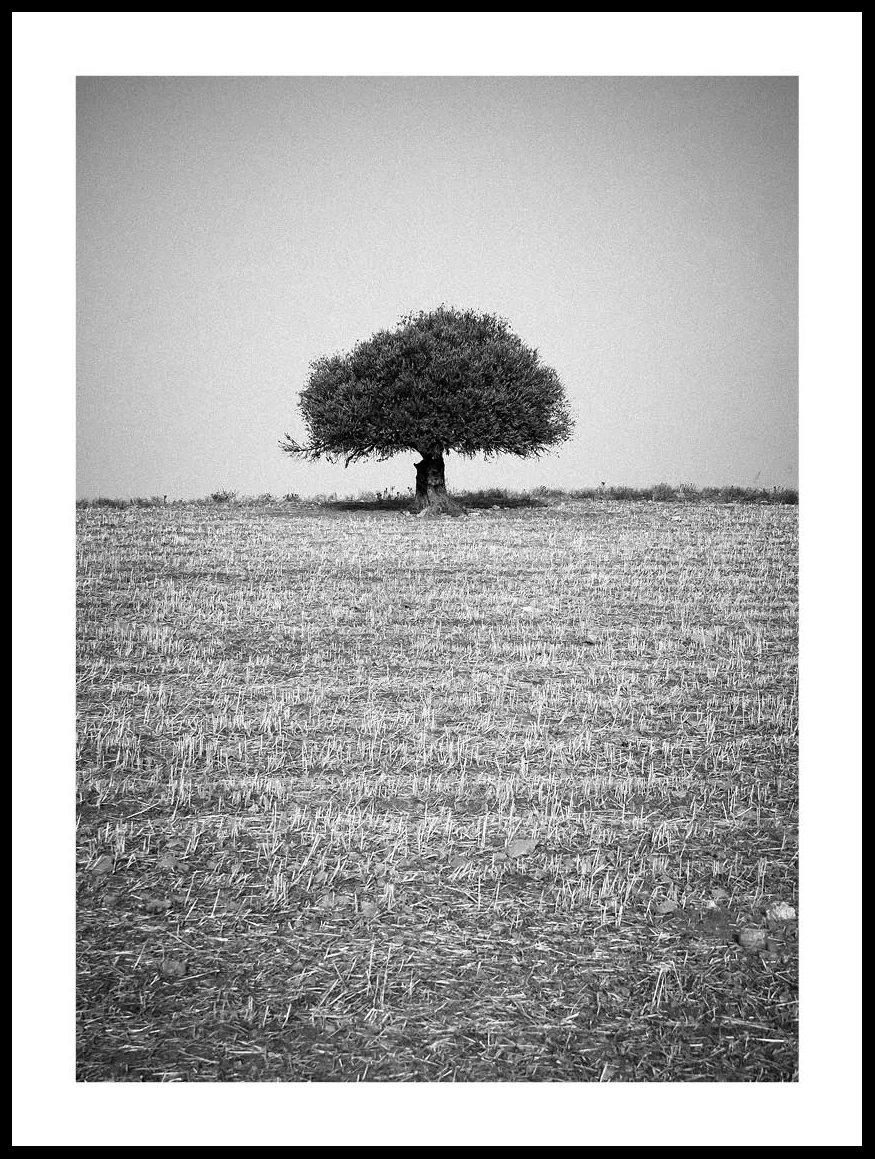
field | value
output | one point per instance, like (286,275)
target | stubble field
(368,797)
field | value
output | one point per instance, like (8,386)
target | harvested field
(505,798)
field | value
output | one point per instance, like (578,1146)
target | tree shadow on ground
(471,502)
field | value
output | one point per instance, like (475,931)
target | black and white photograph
(432,605)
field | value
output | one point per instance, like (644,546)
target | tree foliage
(442,381)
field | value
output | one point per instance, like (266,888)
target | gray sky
(641,232)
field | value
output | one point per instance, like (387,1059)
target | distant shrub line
(392,500)
(682,493)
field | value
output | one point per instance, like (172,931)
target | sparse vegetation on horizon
(391,499)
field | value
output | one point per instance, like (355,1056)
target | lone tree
(441,381)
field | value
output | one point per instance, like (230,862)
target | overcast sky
(641,232)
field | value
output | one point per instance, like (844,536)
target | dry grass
(306,739)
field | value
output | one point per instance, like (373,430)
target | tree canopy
(447,380)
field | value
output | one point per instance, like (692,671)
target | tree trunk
(431,487)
